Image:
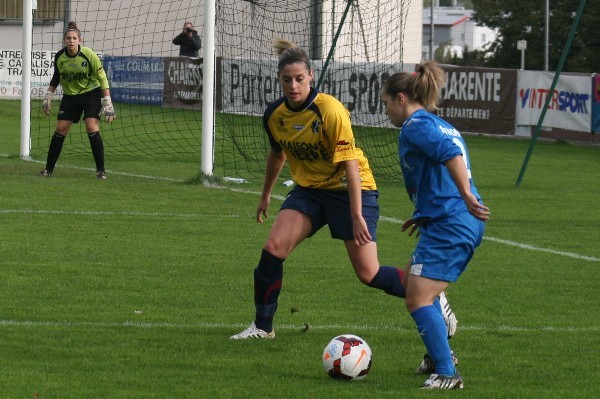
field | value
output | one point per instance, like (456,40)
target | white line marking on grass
(350,327)
(124,213)
(112,172)
(382,218)
(551,251)
(516,244)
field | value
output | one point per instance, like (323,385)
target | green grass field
(131,287)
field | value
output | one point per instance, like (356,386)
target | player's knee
(367,275)
(411,304)
(364,278)
(276,248)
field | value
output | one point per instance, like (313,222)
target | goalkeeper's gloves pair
(47,103)
(108,112)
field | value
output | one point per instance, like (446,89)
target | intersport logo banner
(570,101)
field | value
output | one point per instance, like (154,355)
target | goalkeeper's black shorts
(72,107)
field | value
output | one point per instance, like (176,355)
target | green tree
(518,19)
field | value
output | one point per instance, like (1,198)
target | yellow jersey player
(335,187)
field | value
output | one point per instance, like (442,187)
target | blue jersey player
(449,213)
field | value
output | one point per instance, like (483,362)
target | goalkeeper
(85,86)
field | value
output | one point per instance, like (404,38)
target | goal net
(354,45)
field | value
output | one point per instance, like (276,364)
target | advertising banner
(570,106)
(479,100)
(250,85)
(183,83)
(136,80)
(596,104)
(11,73)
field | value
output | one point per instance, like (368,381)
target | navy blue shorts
(89,104)
(446,246)
(332,207)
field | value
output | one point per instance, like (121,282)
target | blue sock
(268,277)
(438,306)
(389,279)
(432,329)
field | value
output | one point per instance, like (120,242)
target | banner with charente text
(479,100)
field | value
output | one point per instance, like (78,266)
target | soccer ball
(347,357)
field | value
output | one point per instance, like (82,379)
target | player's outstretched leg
(268,277)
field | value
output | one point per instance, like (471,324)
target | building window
(46,10)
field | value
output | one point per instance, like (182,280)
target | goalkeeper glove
(108,112)
(47,103)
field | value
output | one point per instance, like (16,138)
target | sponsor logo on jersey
(448,131)
(298,128)
(315,127)
(306,151)
(73,76)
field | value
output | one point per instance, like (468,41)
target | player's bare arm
(275,162)
(361,232)
(458,171)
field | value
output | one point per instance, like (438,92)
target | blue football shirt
(425,143)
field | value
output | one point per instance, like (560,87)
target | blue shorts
(446,246)
(332,207)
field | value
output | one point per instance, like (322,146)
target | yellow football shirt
(315,139)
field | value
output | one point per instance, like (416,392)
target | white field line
(193,215)
(517,244)
(382,218)
(349,327)
(123,213)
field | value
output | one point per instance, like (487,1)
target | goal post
(180,108)
(26,80)
(207,158)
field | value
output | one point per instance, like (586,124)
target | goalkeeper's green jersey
(79,74)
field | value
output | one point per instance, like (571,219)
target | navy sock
(432,329)
(97,149)
(268,278)
(389,279)
(56,145)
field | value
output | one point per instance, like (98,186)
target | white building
(373,32)
(454,28)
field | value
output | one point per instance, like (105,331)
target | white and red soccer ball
(347,357)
